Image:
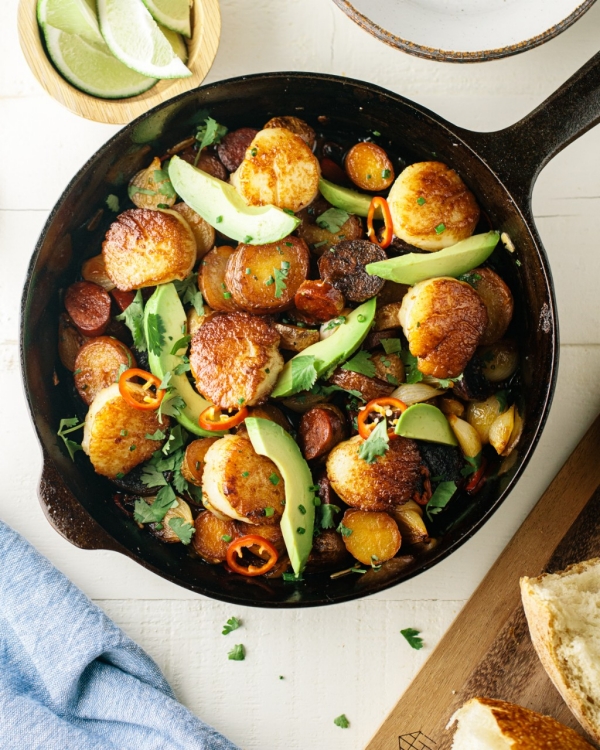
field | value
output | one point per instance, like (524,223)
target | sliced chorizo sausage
(210,164)
(319,300)
(232,148)
(123,299)
(89,307)
(344,267)
(369,388)
(321,429)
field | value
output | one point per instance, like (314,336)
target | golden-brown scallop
(144,248)
(431,206)
(114,435)
(242,485)
(235,359)
(151,188)
(498,300)
(263,279)
(390,480)
(278,169)
(443,320)
(203,233)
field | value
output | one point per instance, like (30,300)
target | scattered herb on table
(232,624)
(413,638)
(342,721)
(237,653)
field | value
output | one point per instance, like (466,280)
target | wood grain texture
(487,651)
(202,48)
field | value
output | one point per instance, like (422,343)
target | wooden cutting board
(487,651)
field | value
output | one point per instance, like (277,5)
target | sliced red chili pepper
(236,548)
(141,396)
(380,406)
(388,234)
(477,481)
(213,418)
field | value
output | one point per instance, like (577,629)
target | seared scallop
(114,434)
(278,169)
(145,247)
(240,484)
(235,359)
(392,479)
(431,206)
(444,321)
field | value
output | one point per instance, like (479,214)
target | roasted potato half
(192,466)
(211,279)
(97,365)
(294,338)
(203,233)
(70,341)
(212,537)
(151,187)
(369,167)
(498,300)
(371,538)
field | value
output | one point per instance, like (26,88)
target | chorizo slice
(210,164)
(344,267)
(232,148)
(321,429)
(98,364)
(212,279)
(369,388)
(320,300)
(88,305)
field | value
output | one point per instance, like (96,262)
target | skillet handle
(519,153)
(67,516)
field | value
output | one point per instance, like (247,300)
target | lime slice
(135,39)
(174,14)
(73,16)
(91,67)
(177,43)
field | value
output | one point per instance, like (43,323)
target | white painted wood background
(349,658)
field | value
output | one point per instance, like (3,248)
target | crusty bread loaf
(486,724)
(563,612)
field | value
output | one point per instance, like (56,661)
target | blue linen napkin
(70,678)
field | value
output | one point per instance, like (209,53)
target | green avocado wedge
(425,422)
(222,207)
(331,351)
(451,261)
(348,200)
(166,305)
(297,523)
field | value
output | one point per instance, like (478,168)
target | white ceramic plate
(464,30)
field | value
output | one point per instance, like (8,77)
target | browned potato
(319,300)
(387,316)
(373,538)
(369,388)
(97,365)
(272,533)
(210,539)
(203,233)
(451,406)
(392,292)
(321,428)
(295,338)
(145,191)
(144,248)
(409,518)
(390,480)
(264,278)
(163,530)
(241,484)
(328,552)
(194,321)
(499,361)
(344,267)
(321,240)
(369,167)
(94,270)
(303,401)
(70,341)
(498,300)
(266,411)
(211,279)
(296,126)
(192,466)
(389,368)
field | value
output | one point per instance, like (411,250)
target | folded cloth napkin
(70,679)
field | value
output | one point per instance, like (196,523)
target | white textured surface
(348,658)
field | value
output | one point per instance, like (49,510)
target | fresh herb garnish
(181,343)
(304,373)
(269,512)
(232,624)
(325,516)
(165,499)
(412,636)
(421,200)
(385,173)
(333,219)
(342,721)
(470,278)
(183,530)
(413,374)
(440,498)
(391,346)
(112,202)
(344,530)
(291,577)
(440,228)
(340,320)
(189,293)
(158,435)
(376,444)
(156,333)
(280,277)
(208,134)
(227,538)
(133,317)
(66,426)
(237,653)
(151,477)
(502,397)
(473,465)
(176,441)
(361,362)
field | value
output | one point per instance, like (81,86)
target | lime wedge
(177,43)
(73,16)
(91,67)
(135,39)
(174,14)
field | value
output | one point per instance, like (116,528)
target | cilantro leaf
(344,530)
(447,382)
(156,333)
(133,317)
(208,134)
(171,405)
(183,367)
(232,624)
(182,529)
(473,465)
(158,435)
(440,498)
(304,373)
(112,202)
(361,362)
(391,346)
(376,444)
(66,426)
(151,477)
(177,438)
(181,343)
(280,277)
(237,653)
(326,390)
(413,374)
(502,397)
(146,513)
(189,293)
(333,219)
(342,721)
(165,382)
(325,516)
(412,636)
(470,278)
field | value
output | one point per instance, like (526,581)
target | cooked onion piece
(151,188)
(451,406)
(467,436)
(212,537)
(211,279)
(501,430)
(499,361)
(443,320)
(482,414)
(242,485)
(278,169)
(203,233)
(431,206)
(409,518)
(498,300)
(416,393)
(144,248)
(192,466)
(164,531)
(515,435)
(373,538)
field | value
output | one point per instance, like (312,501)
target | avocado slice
(329,352)
(348,200)
(297,523)
(451,261)
(425,422)
(222,207)
(166,304)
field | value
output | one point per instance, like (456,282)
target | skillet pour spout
(500,168)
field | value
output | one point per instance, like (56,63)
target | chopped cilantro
(470,278)
(274,479)
(232,624)
(269,281)
(289,211)
(391,346)
(269,512)
(133,317)
(158,435)
(165,383)
(385,173)
(344,530)
(440,498)
(473,465)
(66,426)
(208,134)
(291,577)
(119,475)
(304,373)
(237,653)
(440,228)
(151,477)
(189,293)
(245,473)
(112,202)
(176,441)
(342,721)
(182,529)
(227,295)
(300,530)
(333,219)
(325,516)
(227,538)
(335,322)
(412,636)
(376,444)
(253,151)
(248,238)
(146,513)
(413,374)
(156,333)
(361,363)
(280,277)
(376,133)
(248,271)
(421,201)
(391,379)
(218,220)
(183,367)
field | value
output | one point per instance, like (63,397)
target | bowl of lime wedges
(112,60)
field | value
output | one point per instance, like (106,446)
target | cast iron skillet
(500,168)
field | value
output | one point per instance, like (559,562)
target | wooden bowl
(202,47)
